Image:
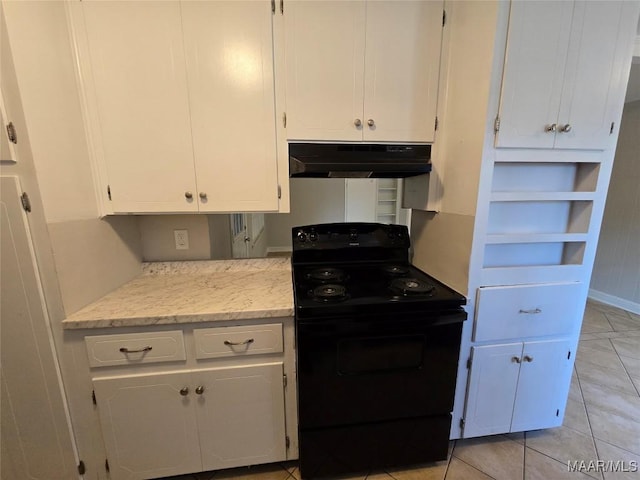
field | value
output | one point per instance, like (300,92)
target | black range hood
(332,160)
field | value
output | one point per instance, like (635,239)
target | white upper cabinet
(180,100)
(229,58)
(362,70)
(136,59)
(563,72)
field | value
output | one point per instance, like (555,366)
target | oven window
(358,356)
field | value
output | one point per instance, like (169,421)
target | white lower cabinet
(517,386)
(155,425)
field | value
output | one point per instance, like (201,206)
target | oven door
(376,368)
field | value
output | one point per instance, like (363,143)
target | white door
(361,197)
(7,150)
(325,42)
(229,55)
(492,389)
(149,425)
(239,235)
(241,415)
(545,377)
(35,431)
(402,65)
(139,80)
(537,45)
(601,35)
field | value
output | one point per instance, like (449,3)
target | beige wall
(92,256)
(313,200)
(158,241)
(616,270)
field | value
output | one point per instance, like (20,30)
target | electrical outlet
(182,239)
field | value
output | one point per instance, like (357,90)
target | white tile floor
(602,422)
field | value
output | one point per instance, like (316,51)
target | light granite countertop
(198,291)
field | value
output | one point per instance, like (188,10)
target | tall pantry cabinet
(536,143)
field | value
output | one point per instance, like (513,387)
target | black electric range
(377,350)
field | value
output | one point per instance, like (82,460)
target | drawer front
(135,348)
(238,341)
(527,311)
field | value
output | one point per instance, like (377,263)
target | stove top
(385,287)
(349,268)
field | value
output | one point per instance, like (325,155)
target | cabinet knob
(370,122)
(527,358)
(515,359)
(357,122)
(184,391)
(203,195)
(565,128)
(188,195)
(550,128)
(199,389)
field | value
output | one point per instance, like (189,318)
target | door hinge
(26,203)
(11,133)
(284,119)
(106,465)
(568,354)
(436,124)
(281,7)
(284,380)
(612,125)
(287,442)
(93,397)
(273,7)
(462,423)
(496,125)
(469,363)
(444,17)
(81,468)
(109,191)
(279,192)
(557,412)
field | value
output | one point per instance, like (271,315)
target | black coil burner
(329,293)
(412,286)
(328,274)
(396,270)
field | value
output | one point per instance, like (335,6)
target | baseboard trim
(614,301)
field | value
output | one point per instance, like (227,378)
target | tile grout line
(625,367)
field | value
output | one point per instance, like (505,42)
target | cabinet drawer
(135,348)
(238,341)
(527,311)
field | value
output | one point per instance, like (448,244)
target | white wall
(158,241)
(616,271)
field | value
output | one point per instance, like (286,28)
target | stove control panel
(332,236)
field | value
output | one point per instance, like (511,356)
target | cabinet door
(149,427)
(602,33)
(537,46)
(402,64)
(325,69)
(229,55)
(492,388)
(241,415)
(545,376)
(139,81)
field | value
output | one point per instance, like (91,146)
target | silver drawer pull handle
(145,349)
(533,311)
(246,342)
